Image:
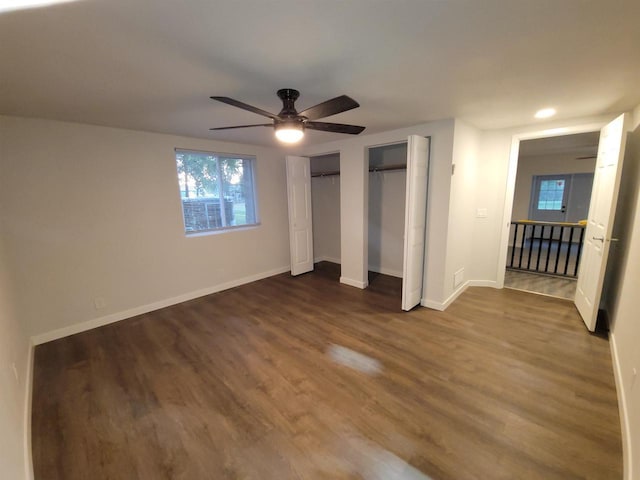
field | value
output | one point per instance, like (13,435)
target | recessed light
(545,113)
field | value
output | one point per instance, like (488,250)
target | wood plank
(247,384)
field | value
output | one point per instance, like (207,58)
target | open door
(606,183)
(415,221)
(300,222)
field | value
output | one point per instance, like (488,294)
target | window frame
(252,159)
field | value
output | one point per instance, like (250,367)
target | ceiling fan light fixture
(289,132)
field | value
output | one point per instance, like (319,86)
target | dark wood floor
(304,378)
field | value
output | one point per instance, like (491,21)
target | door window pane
(551,194)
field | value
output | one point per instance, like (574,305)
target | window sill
(205,233)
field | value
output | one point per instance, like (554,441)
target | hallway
(545,284)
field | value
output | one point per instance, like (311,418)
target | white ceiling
(579,144)
(152,64)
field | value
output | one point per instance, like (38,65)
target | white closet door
(300,221)
(606,183)
(415,221)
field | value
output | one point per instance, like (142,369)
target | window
(551,194)
(217,190)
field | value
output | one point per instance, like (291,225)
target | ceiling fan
(290,125)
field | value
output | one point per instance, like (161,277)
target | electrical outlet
(99,303)
(481,213)
(15,371)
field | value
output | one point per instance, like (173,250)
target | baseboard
(28,457)
(442,306)
(386,271)
(432,304)
(118,316)
(354,283)
(622,406)
(483,283)
(326,259)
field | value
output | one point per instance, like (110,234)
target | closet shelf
(386,168)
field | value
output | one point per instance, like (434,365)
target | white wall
(528,166)
(325,201)
(387,196)
(14,352)
(354,201)
(95,212)
(621,301)
(462,208)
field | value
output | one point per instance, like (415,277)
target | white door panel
(300,220)
(606,183)
(415,221)
(301,241)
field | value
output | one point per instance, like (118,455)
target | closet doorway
(387,196)
(398,180)
(313,193)
(325,201)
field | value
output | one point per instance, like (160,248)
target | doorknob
(601,239)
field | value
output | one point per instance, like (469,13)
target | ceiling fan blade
(243,126)
(330,107)
(244,106)
(334,127)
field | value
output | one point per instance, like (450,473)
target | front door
(549,196)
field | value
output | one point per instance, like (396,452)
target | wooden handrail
(560,224)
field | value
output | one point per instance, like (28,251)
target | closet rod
(381,168)
(326,174)
(386,168)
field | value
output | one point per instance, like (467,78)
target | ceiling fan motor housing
(288,97)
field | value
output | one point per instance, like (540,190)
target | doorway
(387,195)
(411,159)
(325,203)
(553,185)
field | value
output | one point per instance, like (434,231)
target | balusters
(536,239)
